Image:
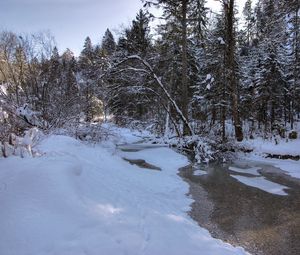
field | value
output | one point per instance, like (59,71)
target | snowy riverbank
(263,148)
(82,199)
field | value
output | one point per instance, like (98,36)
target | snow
(283,146)
(291,167)
(221,41)
(262,147)
(82,199)
(3,88)
(257,180)
(126,135)
(28,114)
(208,77)
(199,172)
(3,115)
(252,170)
(262,183)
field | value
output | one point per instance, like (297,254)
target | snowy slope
(78,199)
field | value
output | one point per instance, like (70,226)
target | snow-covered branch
(150,70)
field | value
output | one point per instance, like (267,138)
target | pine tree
(182,14)
(270,91)
(292,16)
(137,37)
(130,92)
(88,78)
(108,44)
(214,92)
(249,21)
(86,57)
(69,66)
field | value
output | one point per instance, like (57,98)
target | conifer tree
(249,21)
(182,14)
(108,44)
(88,82)
(129,90)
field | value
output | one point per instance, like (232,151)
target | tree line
(199,73)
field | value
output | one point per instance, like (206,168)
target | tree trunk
(184,86)
(167,121)
(296,47)
(229,12)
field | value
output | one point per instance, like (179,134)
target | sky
(71,21)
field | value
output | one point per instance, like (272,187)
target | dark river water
(259,221)
(242,215)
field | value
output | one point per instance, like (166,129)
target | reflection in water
(134,147)
(262,222)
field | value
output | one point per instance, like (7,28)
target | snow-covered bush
(9,123)
(21,146)
(30,116)
(92,132)
(203,152)
(3,124)
(203,149)
(3,116)
(85,131)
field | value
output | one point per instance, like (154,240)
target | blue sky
(70,21)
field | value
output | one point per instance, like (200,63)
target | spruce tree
(108,44)
(182,14)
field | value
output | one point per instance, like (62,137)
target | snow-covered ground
(283,147)
(81,199)
(278,147)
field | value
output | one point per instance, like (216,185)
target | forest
(213,75)
(176,134)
